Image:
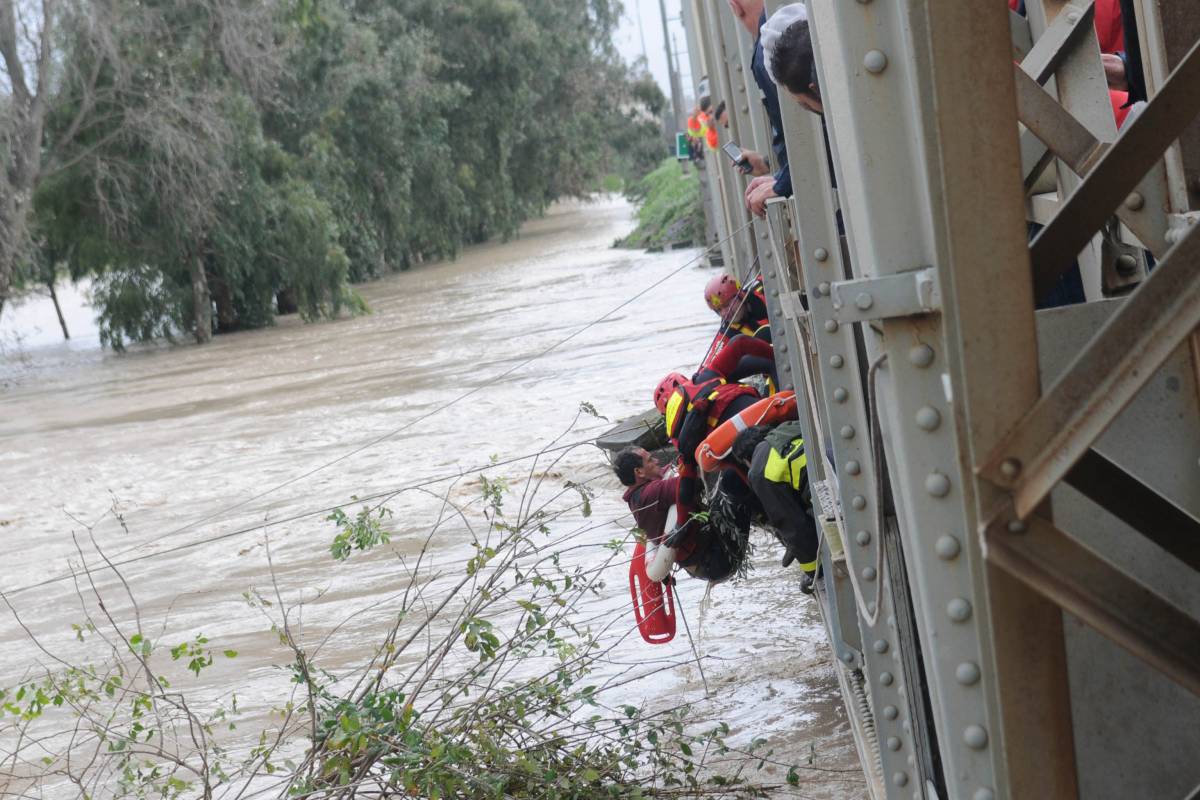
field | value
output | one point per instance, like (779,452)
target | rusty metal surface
(1103,378)
(1118,173)
(1057,566)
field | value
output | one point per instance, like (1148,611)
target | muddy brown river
(186,463)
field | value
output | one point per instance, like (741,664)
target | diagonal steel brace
(1120,170)
(1055,565)
(1053,435)
(1074,144)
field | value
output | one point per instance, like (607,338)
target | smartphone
(735,155)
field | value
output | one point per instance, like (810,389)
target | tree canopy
(254,158)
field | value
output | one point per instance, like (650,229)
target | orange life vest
(768,411)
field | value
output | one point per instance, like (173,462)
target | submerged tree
(252,157)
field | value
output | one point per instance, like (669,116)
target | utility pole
(672,71)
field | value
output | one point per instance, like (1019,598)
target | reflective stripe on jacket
(789,465)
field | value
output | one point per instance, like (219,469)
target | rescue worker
(777,469)
(650,494)
(694,408)
(742,311)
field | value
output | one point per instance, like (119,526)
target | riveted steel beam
(902,87)
(904,294)
(1037,453)
(1118,173)
(741,244)
(1057,566)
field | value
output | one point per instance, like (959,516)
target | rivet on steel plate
(783,347)
(863,538)
(947,548)
(928,418)
(900,779)
(823,287)
(1126,265)
(1073,17)
(847,431)
(820,254)
(975,736)
(886,678)
(864,301)
(839,394)
(831,325)
(868,573)
(836,362)
(875,62)
(881,645)
(937,484)
(921,355)
(959,609)
(853,467)
(1010,468)
(859,502)
(848,657)
(967,673)
(893,743)
(890,712)
(1135,201)
(1017,526)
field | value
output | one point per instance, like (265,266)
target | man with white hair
(788,53)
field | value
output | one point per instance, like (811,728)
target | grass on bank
(669,211)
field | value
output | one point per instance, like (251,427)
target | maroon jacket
(649,501)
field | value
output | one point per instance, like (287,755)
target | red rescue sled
(653,606)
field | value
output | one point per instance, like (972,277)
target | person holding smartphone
(748,161)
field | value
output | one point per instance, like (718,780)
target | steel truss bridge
(1010,497)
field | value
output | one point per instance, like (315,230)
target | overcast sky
(630,35)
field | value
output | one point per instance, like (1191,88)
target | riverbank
(669,210)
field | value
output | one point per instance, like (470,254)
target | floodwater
(187,465)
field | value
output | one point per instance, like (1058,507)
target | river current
(184,461)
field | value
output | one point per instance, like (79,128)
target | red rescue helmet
(666,387)
(720,293)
